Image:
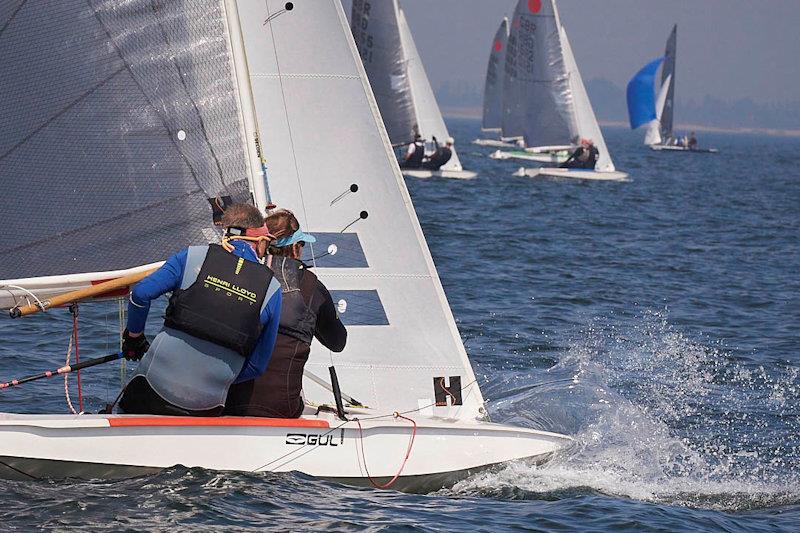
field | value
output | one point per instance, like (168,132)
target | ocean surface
(656,321)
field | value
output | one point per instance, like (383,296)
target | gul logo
(312,439)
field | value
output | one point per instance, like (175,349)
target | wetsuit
(574,160)
(415,158)
(188,372)
(307,311)
(439,158)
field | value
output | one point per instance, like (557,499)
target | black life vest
(418,155)
(223,304)
(297,319)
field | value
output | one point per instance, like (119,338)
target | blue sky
(730,49)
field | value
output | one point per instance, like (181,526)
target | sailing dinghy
(545,96)
(644,107)
(154,120)
(401,87)
(492,120)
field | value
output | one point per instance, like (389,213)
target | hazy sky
(730,49)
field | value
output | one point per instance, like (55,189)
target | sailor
(440,156)
(307,311)
(585,156)
(220,325)
(692,143)
(415,152)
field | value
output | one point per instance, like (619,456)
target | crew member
(307,311)
(692,144)
(585,156)
(441,156)
(414,153)
(220,325)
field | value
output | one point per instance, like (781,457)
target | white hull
(572,173)
(669,148)
(542,157)
(454,174)
(115,446)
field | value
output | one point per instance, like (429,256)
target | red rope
(405,459)
(77,356)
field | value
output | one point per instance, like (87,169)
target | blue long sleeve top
(168,278)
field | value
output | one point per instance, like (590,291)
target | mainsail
(537,98)
(668,80)
(404,94)
(493,88)
(329,160)
(121,129)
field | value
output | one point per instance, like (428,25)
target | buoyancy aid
(185,369)
(222,302)
(297,319)
(418,155)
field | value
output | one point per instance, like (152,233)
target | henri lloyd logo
(230,288)
(312,439)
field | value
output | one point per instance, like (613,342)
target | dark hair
(242,216)
(281,223)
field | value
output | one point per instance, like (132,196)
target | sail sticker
(447,390)
(360,308)
(335,250)
(534,6)
(498,46)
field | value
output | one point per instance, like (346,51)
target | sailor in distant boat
(585,156)
(692,142)
(220,325)
(440,156)
(307,311)
(415,153)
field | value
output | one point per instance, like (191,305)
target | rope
(66,378)
(74,310)
(405,459)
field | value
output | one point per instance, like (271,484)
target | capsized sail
(121,133)
(329,159)
(495,74)
(640,95)
(404,94)
(668,80)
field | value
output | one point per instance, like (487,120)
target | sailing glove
(133,348)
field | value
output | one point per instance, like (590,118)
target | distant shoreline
(470,112)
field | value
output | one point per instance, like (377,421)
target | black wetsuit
(575,162)
(439,158)
(276,393)
(415,161)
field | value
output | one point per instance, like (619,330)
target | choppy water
(656,321)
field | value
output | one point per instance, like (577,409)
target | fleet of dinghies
(401,87)
(132,127)
(645,107)
(544,101)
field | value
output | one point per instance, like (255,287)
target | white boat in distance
(398,79)
(657,111)
(545,99)
(194,106)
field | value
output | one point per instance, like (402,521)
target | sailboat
(493,91)
(545,99)
(153,121)
(400,84)
(644,107)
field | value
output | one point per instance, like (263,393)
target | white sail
(586,122)
(653,134)
(322,134)
(429,117)
(395,69)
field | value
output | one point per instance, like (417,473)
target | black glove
(133,348)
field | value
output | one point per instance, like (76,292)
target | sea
(657,321)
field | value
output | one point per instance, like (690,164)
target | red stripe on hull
(227,421)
